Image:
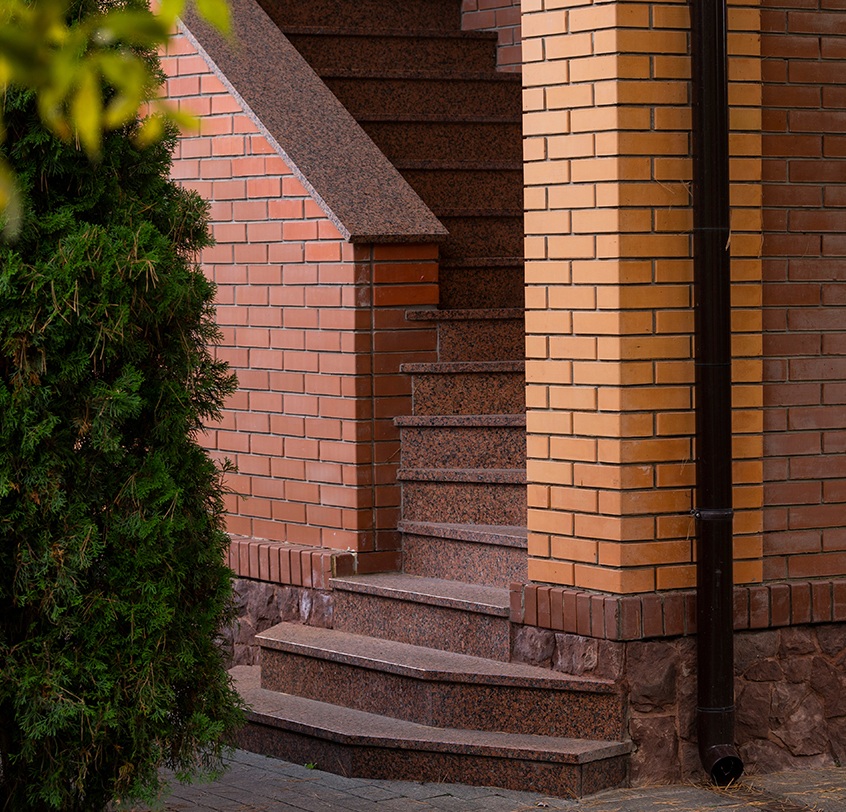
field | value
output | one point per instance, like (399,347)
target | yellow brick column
(608,293)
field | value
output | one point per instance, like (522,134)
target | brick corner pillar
(609,300)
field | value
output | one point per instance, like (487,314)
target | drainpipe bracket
(713,514)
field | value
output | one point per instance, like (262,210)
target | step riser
(437,15)
(470,189)
(468,706)
(447,141)
(501,340)
(327,53)
(483,287)
(464,503)
(463,447)
(455,560)
(363,96)
(470,393)
(396,764)
(423,625)
(482,236)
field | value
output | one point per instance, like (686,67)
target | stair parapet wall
(313,326)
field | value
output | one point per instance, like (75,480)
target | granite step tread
(461,420)
(460,367)
(419,662)
(484,600)
(514,476)
(406,33)
(333,722)
(439,118)
(480,262)
(493,77)
(505,535)
(466,314)
(441,164)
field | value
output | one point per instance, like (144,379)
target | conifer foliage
(112,578)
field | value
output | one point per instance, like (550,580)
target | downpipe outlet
(720,760)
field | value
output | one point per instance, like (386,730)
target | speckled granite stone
(429,93)
(444,139)
(448,629)
(327,49)
(477,563)
(437,15)
(482,234)
(509,709)
(464,502)
(368,745)
(501,340)
(481,282)
(462,441)
(465,185)
(479,388)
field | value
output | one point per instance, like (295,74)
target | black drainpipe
(712,289)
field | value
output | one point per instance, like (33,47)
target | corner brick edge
(672,614)
(280,563)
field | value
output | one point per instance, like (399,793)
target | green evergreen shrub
(113,585)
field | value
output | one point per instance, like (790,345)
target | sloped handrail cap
(335,160)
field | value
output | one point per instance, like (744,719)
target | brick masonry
(608,294)
(804,147)
(313,326)
(502,16)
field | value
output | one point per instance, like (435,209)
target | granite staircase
(415,680)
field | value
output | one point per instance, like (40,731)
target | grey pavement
(257,783)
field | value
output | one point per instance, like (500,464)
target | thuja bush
(113,585)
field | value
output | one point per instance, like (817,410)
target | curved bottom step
(365,745)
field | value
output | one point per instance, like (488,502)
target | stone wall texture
(790,688)
(260,605)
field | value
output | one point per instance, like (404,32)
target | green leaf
(216,12)
(87,110)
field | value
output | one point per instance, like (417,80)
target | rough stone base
(262,605)
(790,694)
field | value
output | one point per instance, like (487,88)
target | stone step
(430,612)
(465,184)
(442,138)
(477,335)
(436,688)
(367,15)
(428,93)
(464,496)
(469,387)
(490,555)
(489,282)
(481,232)
(463,441)
(365,745)
(332,49)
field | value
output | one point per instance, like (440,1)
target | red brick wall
(804,144)
(502,16)
(315,329)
